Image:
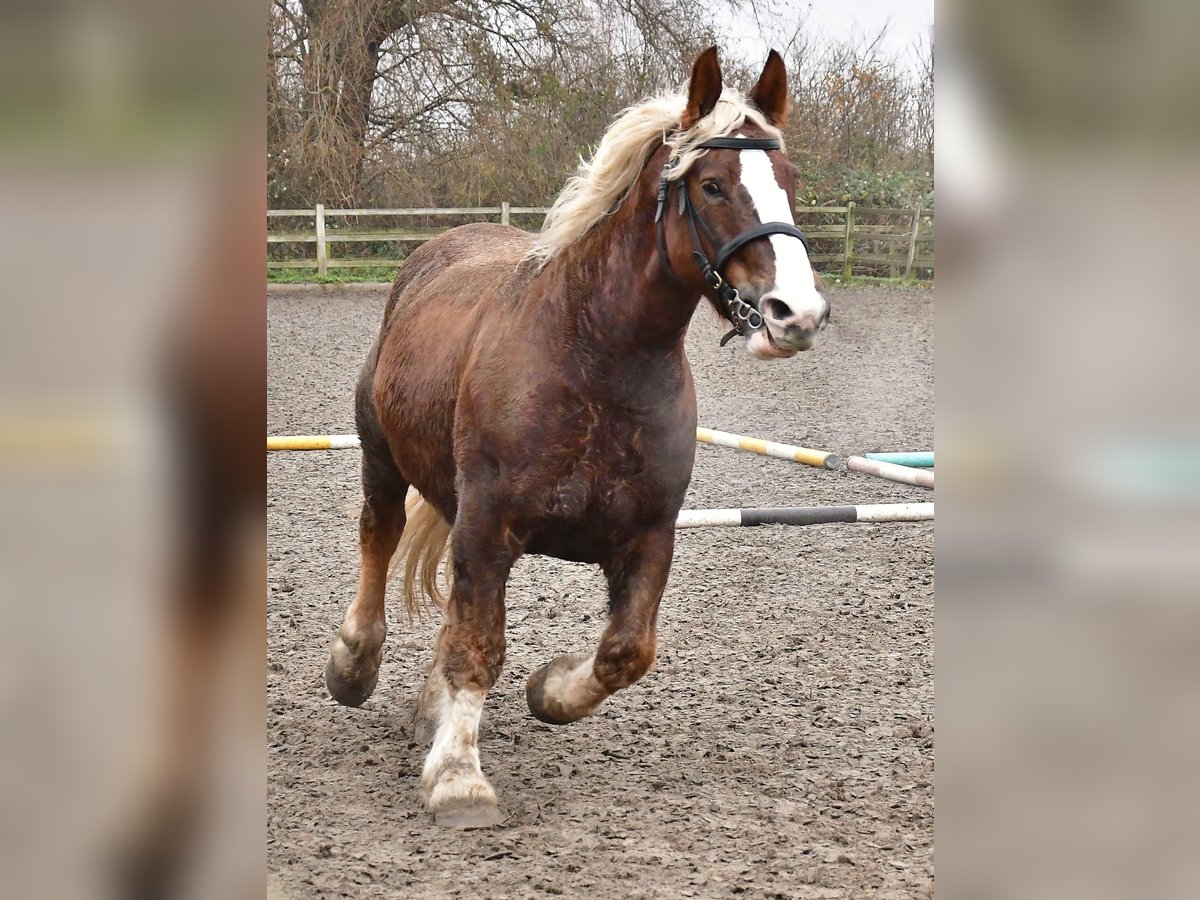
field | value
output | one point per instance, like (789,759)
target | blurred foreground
(131,396)
(1069,429)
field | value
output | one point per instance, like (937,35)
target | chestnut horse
(535,392)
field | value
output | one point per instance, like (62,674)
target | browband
(736,143)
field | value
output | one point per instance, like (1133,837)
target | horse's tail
(423,544)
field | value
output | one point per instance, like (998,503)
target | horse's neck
(617,292)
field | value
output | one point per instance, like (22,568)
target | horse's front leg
(573,686)
(468,657)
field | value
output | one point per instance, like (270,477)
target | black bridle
(744,316)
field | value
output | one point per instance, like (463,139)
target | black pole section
(813,515)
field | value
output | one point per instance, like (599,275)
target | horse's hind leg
(573,686)
(357,649)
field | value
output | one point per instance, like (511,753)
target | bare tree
(351,79)
(467,102)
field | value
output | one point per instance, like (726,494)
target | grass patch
(832,279)
(332,276)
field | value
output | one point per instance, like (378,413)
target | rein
(745,317)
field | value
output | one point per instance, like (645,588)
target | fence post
(912,243)
(504,213)
(848,258)
(321,249)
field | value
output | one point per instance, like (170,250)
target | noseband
(745,317)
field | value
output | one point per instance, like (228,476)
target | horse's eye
(711,188)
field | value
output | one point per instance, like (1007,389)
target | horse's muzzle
(795,323)
(788,327)
(762,344)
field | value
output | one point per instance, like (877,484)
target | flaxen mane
(602,182)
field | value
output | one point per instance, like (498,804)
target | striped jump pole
(804,455)
(805,515)
(819,458)
(313,442)
(890,471)
(920,459)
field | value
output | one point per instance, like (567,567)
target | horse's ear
(771,93)
(704,88)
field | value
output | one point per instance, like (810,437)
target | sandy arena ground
(781,747)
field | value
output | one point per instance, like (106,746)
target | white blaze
(793,272)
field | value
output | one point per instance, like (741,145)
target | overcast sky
(908,22)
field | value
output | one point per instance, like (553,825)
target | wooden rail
(836,247)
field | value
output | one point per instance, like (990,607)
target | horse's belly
(586,542)
(610,516)
(562,546)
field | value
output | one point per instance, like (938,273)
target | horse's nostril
(776,309)
(810,317)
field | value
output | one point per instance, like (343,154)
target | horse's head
(734,204)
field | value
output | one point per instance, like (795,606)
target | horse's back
(460,267)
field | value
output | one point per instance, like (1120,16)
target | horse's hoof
(462,798)
(546,707)
(352,671)
(469,814)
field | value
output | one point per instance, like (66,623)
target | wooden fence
(842,238)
